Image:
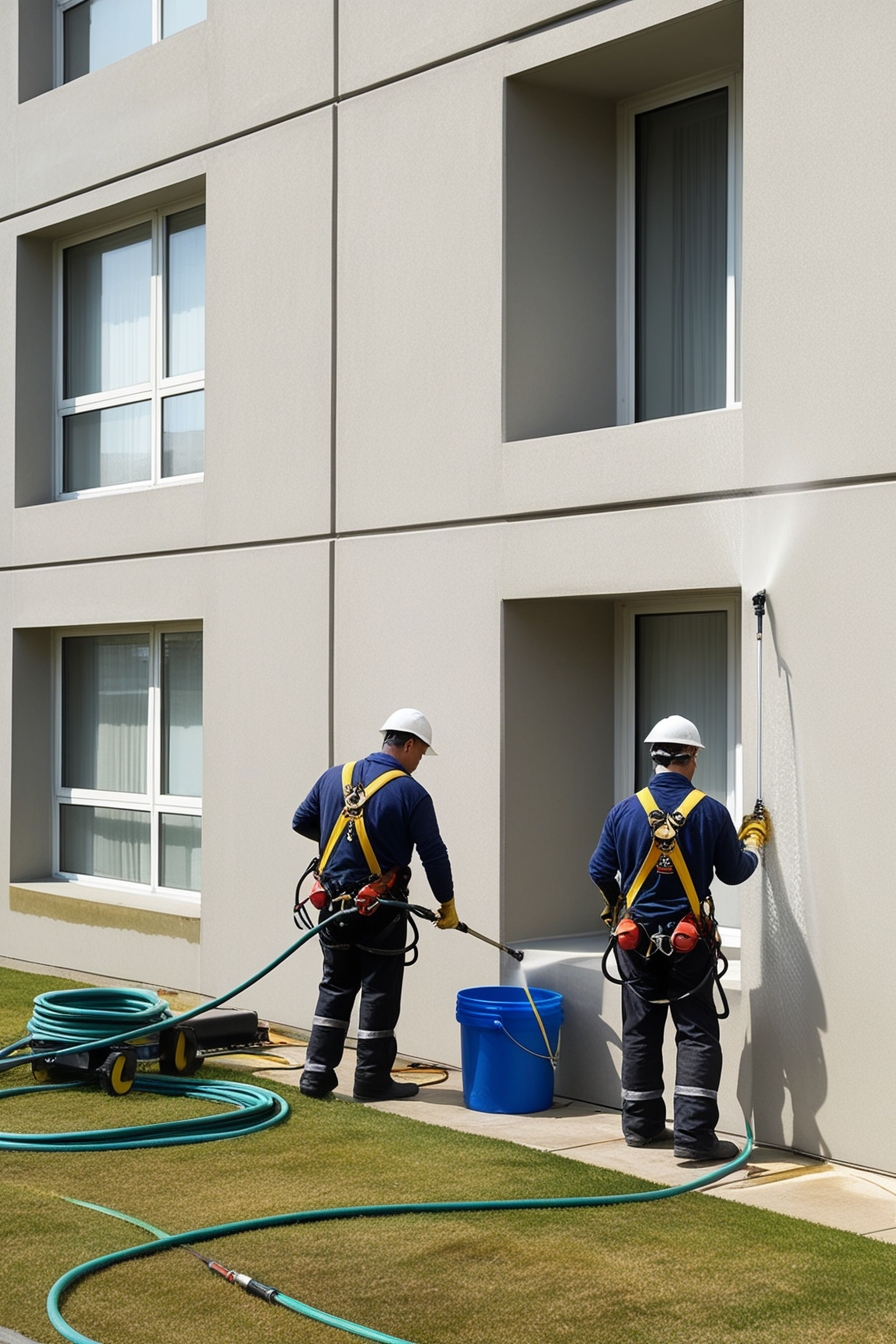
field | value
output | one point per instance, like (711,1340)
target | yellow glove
(447,916)
(755,829)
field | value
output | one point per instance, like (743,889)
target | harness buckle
(665,827)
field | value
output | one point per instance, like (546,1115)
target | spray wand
(423,912)
(759,600)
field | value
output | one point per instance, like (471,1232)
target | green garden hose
(96,1018)
(199,1235)
(256,1109)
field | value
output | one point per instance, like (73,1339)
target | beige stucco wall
(353,543)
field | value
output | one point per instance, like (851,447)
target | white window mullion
(154,755)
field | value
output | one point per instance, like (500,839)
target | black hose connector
(257,1289)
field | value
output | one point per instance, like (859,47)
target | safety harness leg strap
(655,853)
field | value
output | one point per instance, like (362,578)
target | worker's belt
(664,827)
(352,815)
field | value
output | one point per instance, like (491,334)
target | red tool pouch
(317,895)
(628,934)
(685,935)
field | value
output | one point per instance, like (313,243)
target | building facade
(484,357)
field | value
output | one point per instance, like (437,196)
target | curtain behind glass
(112,446)
(681,667)
(104,842)
(183,434)
(106,297)
(182,714)
(105,697)
(179,14)
(681,256)
(180,852)
(186,291)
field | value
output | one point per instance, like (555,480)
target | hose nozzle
(759,600)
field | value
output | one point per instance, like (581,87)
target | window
(679,243)
(94,33)
(129,778)
(132,405)
(678,657)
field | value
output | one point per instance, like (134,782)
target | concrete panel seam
(485,520)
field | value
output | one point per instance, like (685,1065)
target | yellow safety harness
(664,828)
(352,815)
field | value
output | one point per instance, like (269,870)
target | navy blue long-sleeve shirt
(399,818)
(708,842)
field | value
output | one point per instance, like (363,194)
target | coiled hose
(96,1018)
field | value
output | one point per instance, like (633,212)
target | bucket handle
(552,1055)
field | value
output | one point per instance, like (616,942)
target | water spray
(759,600)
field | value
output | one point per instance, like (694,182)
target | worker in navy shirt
(366,950)
(656,976)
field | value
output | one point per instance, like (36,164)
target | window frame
(159,386)
(59,38)
(671,605)
(627,111)
(153,802)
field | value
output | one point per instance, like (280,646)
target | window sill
(108,907)
(587,950)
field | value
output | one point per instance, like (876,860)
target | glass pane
(106,295)
(76,41)
(681,667)
(180,852)
(183,434)
(108,447)
(99,32)
(178,14)
(105,696)
(681,256)
(186,291)
(182,714)
(104,842)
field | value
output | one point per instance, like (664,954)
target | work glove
(447,916)
(755,829)
(611,903)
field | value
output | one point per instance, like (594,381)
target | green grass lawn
(691,1270)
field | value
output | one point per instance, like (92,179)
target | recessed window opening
(680,252)
(129,764)
(677,656)
(132,354)
(94,33)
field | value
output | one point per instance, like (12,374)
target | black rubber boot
(720,1150)
(318,1085)
(369,1090)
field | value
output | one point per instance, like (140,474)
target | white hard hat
(411,721)
(675,731)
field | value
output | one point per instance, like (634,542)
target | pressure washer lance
(759,600)
(424,913)
(243,1281)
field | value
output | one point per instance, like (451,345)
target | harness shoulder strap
(648,802)
(344,817)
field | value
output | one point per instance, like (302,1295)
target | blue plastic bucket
(505,1062)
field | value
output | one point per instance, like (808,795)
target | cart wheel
(178,1051)
(117,1073)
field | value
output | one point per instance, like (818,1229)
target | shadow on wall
(783,1076)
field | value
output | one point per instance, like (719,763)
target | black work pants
(362,953)
(699,1054)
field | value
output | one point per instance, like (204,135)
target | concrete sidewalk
(775,1178)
